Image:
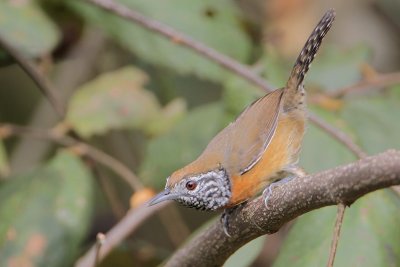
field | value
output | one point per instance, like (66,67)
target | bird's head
(205,191)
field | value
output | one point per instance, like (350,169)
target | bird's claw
(225,221)
(268,191)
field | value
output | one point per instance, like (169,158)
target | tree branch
(182,39)
(100,240)
(343,184)
(132,220)
(43,84)
(75,69)
(241,70)
(380,81)
(80,147)
(338,135)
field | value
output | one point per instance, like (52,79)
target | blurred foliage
(336,63)
(372,120)
(235,99)
(334,153)
(246,254)
(45,213)
(216,23)
(183,143)
(4,168)
(27,28)
(148,91)
(370,235)
(118,100)
(390,9)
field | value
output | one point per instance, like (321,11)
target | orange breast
(282,151)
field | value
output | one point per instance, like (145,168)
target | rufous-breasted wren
(260,147)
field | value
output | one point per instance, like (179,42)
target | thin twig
(224,61)
(174,225)
(100,240)
(379,81)
(132,220)
(43,84)
(341,208)
(110,192)
(79,146)
(112,163)
(182,39)
(336,234)
(338,135)
(77,67)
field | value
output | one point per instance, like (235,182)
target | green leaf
(4,167)
(117,100)
(312,158)
(182,144)
(370,235)
(238,94)
(335,68)
(246,255)
(24,25)
(215,23)
(332,69)
(394,92)
(167,118)
(45,213)
(375,121)
(390,10)
(276,72)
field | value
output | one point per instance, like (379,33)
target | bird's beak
(163,196)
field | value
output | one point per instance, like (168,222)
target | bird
(257,151)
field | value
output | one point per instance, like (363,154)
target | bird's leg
(293,171)
(226,215)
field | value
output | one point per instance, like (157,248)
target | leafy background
(154,105)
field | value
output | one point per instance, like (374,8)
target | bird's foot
(226,216)
(293,171)
(225,221)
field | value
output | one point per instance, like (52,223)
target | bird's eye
(191,185)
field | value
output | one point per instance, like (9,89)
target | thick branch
(343,184)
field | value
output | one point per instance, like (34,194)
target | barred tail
(309,51)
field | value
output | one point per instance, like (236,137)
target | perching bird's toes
(225,221)
(268,191)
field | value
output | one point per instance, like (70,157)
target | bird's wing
(241,144)
(253,131)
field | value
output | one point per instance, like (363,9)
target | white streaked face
(205,191)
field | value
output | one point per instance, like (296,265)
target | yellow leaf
(140,197)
